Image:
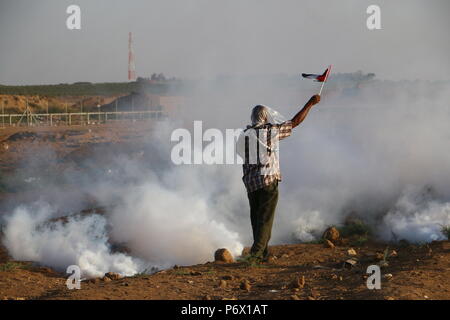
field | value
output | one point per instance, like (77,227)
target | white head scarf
(262,114)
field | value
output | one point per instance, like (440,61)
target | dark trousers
(263,203)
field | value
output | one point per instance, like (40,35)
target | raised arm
(301,115)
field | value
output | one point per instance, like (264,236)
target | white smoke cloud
(82,241)
(416,219)
(171,226)
(163,214)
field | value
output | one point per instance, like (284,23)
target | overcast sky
(204,38)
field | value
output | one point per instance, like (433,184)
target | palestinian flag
(318,77)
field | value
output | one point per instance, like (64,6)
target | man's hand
(315,99)
(301,115)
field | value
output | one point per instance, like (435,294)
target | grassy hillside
(87,89)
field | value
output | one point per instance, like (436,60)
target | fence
(75,118)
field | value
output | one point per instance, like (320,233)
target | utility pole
(131,65)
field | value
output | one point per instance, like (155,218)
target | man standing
(258,147)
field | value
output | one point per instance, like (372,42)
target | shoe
(251,259)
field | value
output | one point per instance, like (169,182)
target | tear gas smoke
(380,153)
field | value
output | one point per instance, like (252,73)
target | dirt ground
(415,273)
(410,272)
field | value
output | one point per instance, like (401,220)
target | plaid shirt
(261,166)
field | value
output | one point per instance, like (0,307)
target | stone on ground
(113,275)
(298,282)
(245,285)
(331,234)
(223,255)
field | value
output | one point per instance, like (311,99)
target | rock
(331,234)
(298,282)
(393,253)
(351,252)
(222,284)
(245,285)
(329,244)
(295,297)
(223,255)
(350,262)
(388,276)
(113,275)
